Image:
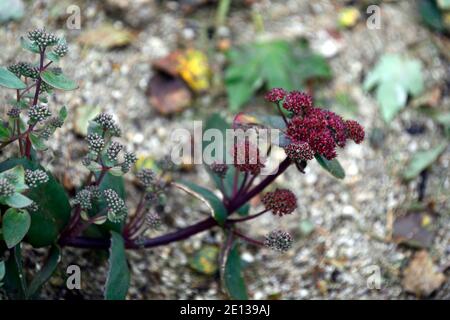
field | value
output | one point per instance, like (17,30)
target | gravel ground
(351,217)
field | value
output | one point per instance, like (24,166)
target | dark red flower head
(275,95)
(299,151)
(246,158)
(280,201)
(297,102)
(354,131)
(314,129)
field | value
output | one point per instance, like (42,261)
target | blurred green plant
(436,14)
(394,78)
(270,65)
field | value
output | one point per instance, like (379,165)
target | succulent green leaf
(37,142)
(18,200)
(10,80)
(14,281)
(217,208)
(58,81)
(16,224)
(53,206)
(45,272)
(118,279)
(28,45)
(232,275)
(332,166)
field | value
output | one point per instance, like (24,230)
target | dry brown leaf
(168,94)
(421,277)
(106,37)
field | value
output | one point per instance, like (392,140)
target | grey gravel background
(350,216)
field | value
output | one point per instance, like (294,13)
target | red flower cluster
(246,158)
(275,95)
(280,201)
(324,130)
(299,151)
(298,102)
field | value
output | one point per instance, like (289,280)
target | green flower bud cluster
(38,112)
(6,188)
(146,177)
(14,112)
(42,38)
(61,50)
(24,69)
(96,142)
(117,210)
(108,124)
(114,150)
(129,159)
(35,178)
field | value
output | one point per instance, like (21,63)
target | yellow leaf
(193,67)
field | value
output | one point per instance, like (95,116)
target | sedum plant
(36,209)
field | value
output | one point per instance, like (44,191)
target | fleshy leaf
(118,279)
(215,205)
(10,80)
(15,226)
(232,275)
(332,166)
(58,81)
(46,272)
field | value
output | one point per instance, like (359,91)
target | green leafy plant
(36,209)
(395,78)
(270,65)
(435,13)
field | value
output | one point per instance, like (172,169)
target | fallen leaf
(415,229)
(205,260)
(106,37)
(421,277)
(193,67)
(168,94)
